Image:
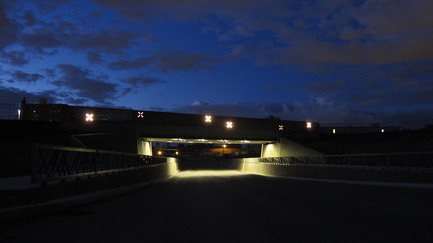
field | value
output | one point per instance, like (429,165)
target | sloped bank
(349,173)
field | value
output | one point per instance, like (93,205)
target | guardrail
(51,163)
(405,160)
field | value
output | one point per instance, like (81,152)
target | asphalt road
(229,206)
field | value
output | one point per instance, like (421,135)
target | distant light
(280,127)
(229,124)
(19,114)
(383,130)
(177,152)
(89,117)
(159,152)
(333,131)
(140,114)
(225,145)
(309,125)
(208,119)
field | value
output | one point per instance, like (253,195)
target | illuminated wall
(286,148)
(144,147)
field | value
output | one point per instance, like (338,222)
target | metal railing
(401,160)
(50,163)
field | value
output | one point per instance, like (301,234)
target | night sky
(335,61)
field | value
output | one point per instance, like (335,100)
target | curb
(20,212)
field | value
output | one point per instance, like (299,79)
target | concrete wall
(286,148)
(144,147)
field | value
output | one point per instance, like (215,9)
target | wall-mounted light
(89,117)
(229,124)
(309,125)
(280,127)
(207,119)
(140,114)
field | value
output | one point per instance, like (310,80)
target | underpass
(207,202)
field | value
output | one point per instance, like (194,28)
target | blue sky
(335,61)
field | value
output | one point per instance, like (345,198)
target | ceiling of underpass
(206,141)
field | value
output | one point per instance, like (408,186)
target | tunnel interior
(204,154)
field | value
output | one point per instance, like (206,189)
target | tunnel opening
(204,154)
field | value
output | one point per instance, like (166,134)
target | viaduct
(134,131)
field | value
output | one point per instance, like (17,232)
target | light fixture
(309,125)
(140,114)
(89,117)
(280,127)
(229,124)
(207,118)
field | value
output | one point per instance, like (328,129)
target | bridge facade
(134,131)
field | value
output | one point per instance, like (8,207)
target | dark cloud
(9,28)
(173,61)
(94,57)
(43,40)
(179,61)
(10,95)
(113,41)
(16,58)
(134,64)
(29,18)
(85,84)
(20,76)
(143,81)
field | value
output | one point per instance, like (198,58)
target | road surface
(216,205)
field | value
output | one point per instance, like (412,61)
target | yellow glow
(309,125)
(159,152)
(229,124)
(177,152)
(208,119)
(333,131)
(209,173)
(89,117)
(225,145)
